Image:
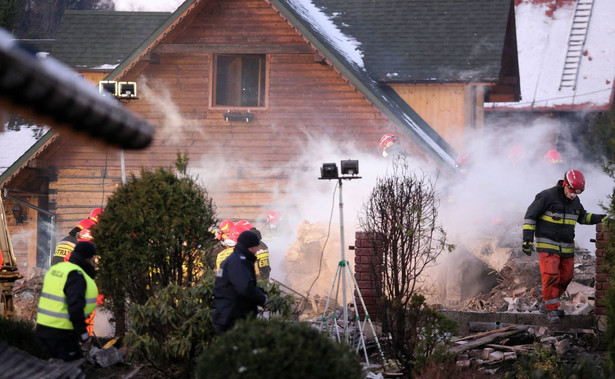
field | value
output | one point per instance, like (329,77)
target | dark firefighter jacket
(235,293)
(551,218)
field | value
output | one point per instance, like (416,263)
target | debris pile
(495,351)
(25,295)
(520,287)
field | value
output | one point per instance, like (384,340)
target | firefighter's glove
(527,248)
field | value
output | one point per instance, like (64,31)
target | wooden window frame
(213,81)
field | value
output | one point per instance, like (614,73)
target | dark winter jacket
(236,295)
(551,218)
(75,298)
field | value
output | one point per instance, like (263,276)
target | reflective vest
(223,255)
(52,306)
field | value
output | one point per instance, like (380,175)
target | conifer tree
(153,232)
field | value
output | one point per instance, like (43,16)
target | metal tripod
(345,278)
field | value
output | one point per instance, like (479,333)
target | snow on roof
(14,143)
(542,40)
(344,44)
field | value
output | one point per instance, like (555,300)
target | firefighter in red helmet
(95,214)
(553,158)
(390,147)
(549,222)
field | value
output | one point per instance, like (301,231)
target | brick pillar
(602,278)
(364,264)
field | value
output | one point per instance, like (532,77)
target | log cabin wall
(305,99)
(447,108)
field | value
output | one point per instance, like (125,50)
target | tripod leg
(324,315)
(352,286)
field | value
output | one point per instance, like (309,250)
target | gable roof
(121,32)
(422,41)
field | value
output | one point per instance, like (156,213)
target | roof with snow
(544,30)
(118,33)
(421,41)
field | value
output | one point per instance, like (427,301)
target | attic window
(239,80)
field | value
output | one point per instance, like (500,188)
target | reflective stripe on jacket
(551,218)
(52,306)
(222,256)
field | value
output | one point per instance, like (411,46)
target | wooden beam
(206,48)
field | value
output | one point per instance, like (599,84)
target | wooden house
(251,80)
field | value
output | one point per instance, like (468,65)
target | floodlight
(127,89)
(329,171)
(107,87)
(350,167)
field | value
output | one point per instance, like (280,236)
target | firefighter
(390,147)
(553,158)
(550,220)
(273,220)
(236,295)
(262,267)
(68,296)
(67,244)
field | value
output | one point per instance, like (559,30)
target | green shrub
(20,334)
(275,349)
(174,326)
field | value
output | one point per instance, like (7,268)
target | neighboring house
(566,64)
(345,71)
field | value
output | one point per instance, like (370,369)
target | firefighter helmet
(95,214)
(231,240)
(387,140)
(575,181)
(86,223)
(244,224)
(85,235)
(553,157)
(273,218)
(226,226)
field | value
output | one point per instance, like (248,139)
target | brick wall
(602,279)
(364,269)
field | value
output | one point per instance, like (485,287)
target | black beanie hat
(84,249)
(248,239)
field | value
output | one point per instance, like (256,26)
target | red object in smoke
(575,181)
(273,218)
(516,154)
(86,223)
(95,214)
(553,157)
(386,140)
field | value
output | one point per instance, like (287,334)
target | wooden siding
(447,108)
(252,161)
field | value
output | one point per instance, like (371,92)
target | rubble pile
(495,351)
(25,295)
(520,288)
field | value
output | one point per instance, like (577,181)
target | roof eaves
(150,42)
(37,148)
(374,94)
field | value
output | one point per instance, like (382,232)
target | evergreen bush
(20,334)
(259,348)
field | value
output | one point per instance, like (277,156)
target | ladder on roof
(576,42)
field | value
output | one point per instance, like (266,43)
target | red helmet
(575,181)
(85,235)
(552,157)
(95,214)
(386,140)
(273,217)
(235,232)
(86,223)
(226,226)
(244,224)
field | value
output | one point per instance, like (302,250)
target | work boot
(553,317)
(543,310)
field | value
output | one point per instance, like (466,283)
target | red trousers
(556,273)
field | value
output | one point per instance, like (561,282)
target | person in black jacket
(551,218)
(67,298)
(236,295)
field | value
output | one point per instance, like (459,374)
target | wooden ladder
(576,42)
